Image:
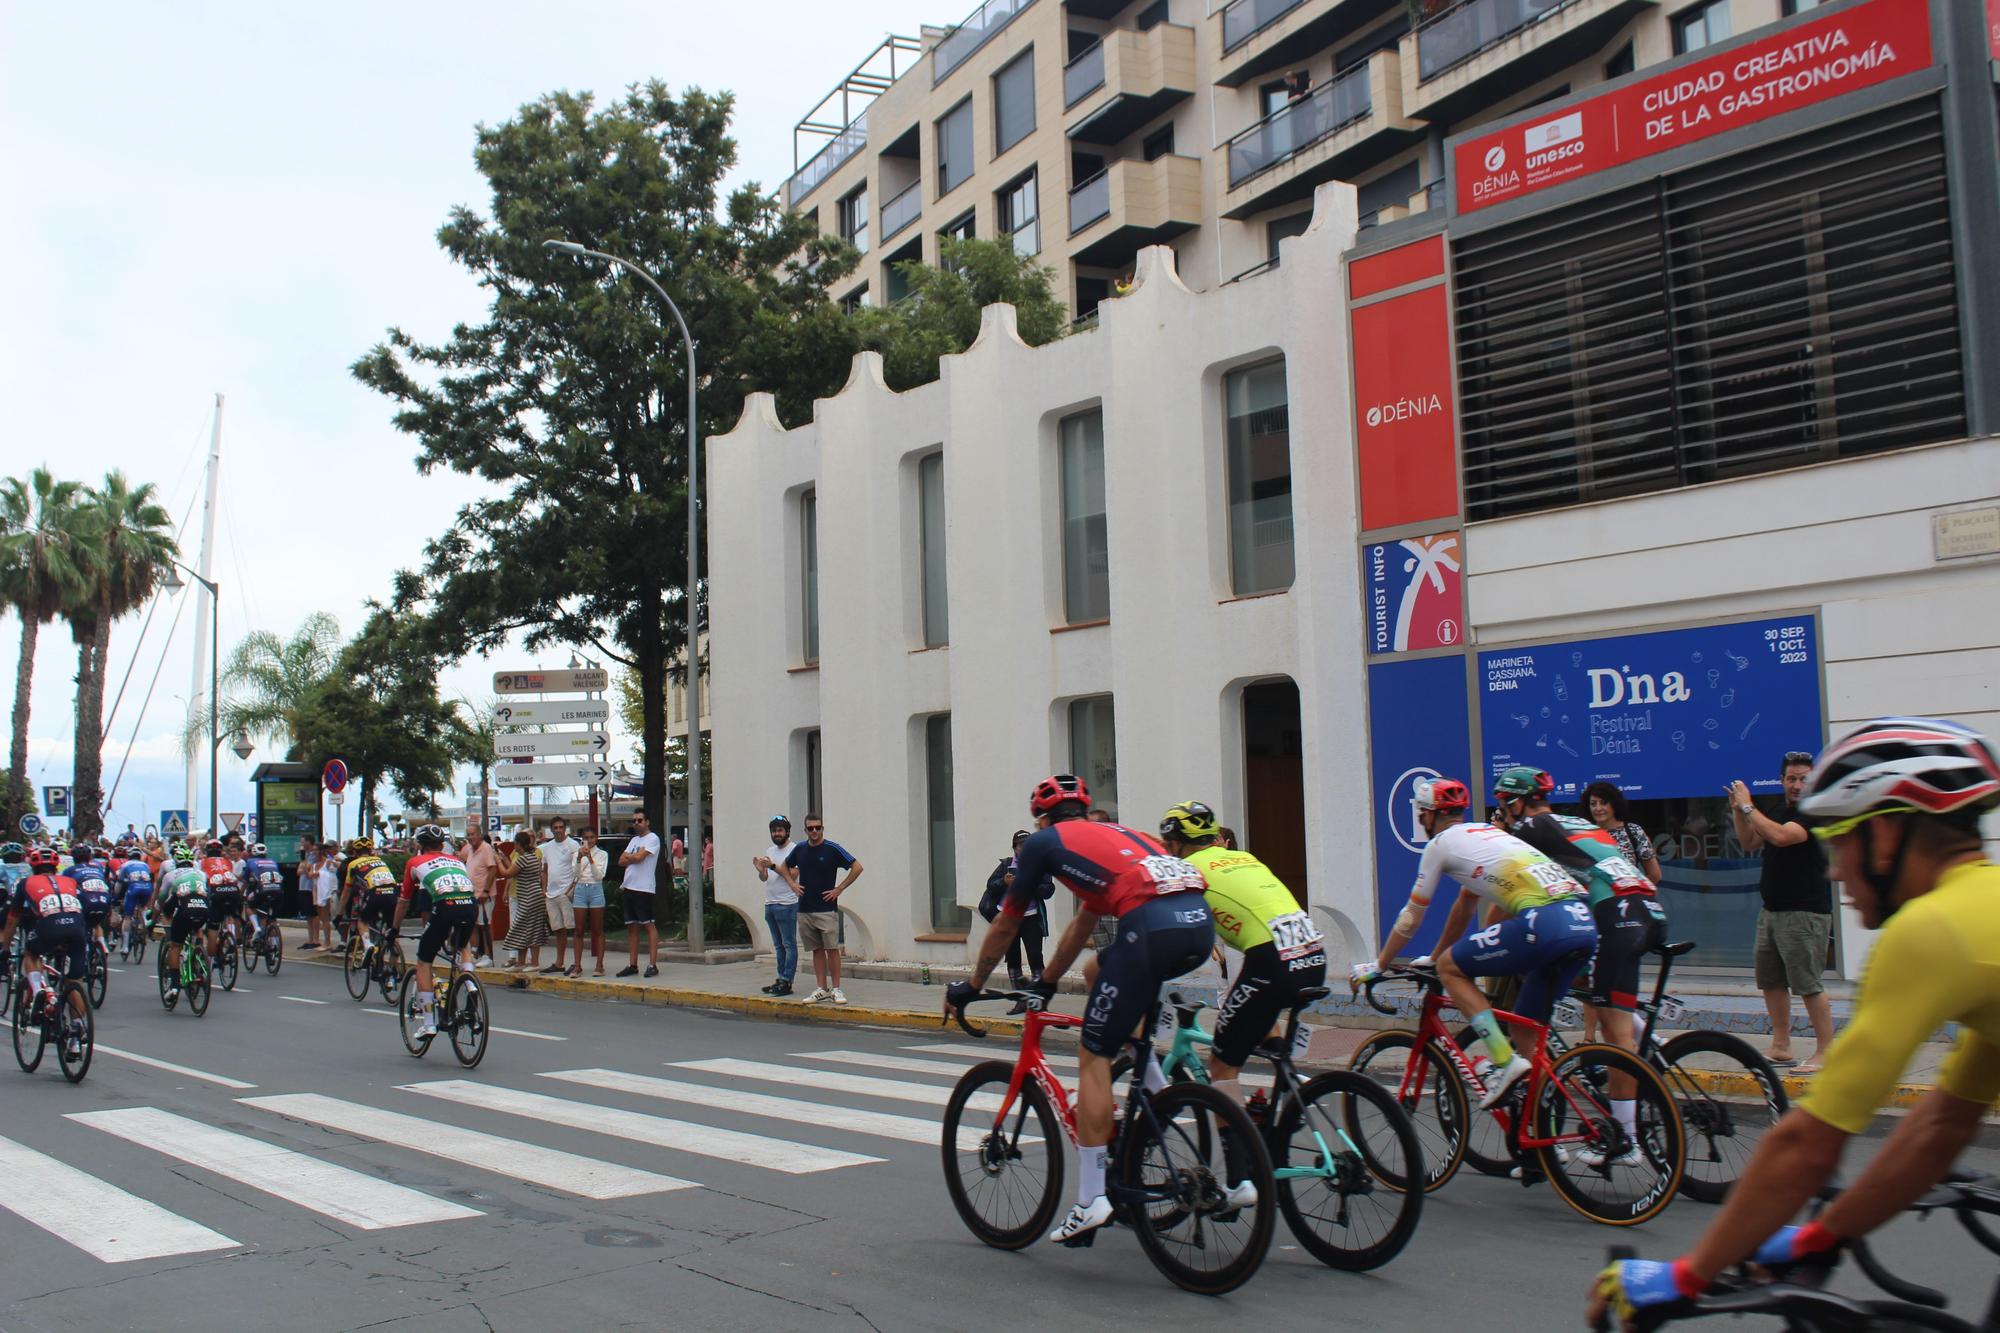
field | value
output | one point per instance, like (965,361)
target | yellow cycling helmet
(359,845)
(1190,821)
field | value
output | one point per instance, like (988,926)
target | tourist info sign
(551,742)
(551,711)
(550,775)
(586,680)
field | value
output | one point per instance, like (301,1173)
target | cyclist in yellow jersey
(1899,803)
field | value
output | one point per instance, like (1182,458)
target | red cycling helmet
(42,858)
(1441,794)
(1053,790)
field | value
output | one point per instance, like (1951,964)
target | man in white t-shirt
(559,887)
(641,860)
(781,903)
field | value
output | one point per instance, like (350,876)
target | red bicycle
(1558,1122)
(1168,1181)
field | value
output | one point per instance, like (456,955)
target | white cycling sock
(1628,1116)
(424,998)
(35,982)
(1152,1075)
(1232,1088)
(1090,1173)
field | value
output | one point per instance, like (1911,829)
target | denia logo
(1403,409)
(1496,157)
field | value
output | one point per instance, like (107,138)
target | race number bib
(222,879)
(1170,874)
(1296,936)
(382,880)
(1551,878)
(55,904)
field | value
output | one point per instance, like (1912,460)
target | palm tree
(268,681)
(42,570)
(130,537)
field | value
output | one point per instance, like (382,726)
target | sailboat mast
(204,603)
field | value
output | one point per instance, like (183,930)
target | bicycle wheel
(29,1034)
(1486,1148)
(407,1020)
(198,983)
(469,1027)
(1208,1248)
(139,943)
(389,973)
(1728,1095)
(169,994)
(1004,1174)
(99,972)
(274,950)
(1361,1208)
(227,964)
(1434,1100)
(356,966)
(1636,1176)
(7,984)
(77,1041)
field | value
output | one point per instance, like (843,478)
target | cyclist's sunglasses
(1797,757)
(1839,827)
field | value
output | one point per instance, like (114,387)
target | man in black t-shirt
(1795,926)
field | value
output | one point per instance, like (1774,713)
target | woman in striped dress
(529,930)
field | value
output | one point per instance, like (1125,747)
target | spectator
(559,890)
(308,895)
(1225,837)
(641,859)
(591,863)
(1606,807)
(483,864)
(529,929)
(1100,817)
(1796,923)
(326,889)
(707,859)
(1034,926)
(781,904)
(814,865)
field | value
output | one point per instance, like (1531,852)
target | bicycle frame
(1431,1028)
(1184,1055)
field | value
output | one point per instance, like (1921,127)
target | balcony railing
(902,208)
(952,50)
(1083,75)
(1298,125)
(827,160)
(1462,32)
(1244,19)
(1089,200)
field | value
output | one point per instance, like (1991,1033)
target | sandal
(1782,1061)
(573,971)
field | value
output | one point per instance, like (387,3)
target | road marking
(300,999)
(528,1162)
(492,1027)
(828,1080)
(333,1191)
(906,1128)
(870,1060)
(95,1216)
(119,970)
(705,1140)
(173,1068)
(1055,1061)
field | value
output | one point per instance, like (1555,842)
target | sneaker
(782,988)
(1597,1157)
(552,969)
(836,996)
(427,1028)
(629,970)
(482,961)
(771,989)
(1521,1172)
(819,993)
(1504,1079)
(1242,1195)
(1083,1218)
(652,969)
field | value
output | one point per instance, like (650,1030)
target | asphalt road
(730,1217)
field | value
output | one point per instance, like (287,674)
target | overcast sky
(240,198)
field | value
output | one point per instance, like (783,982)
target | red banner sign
(1405,418)
(1993,27)
(1813,62)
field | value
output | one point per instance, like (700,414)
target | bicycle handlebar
(1426,978)
(958,1012)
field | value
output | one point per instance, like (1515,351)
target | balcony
(956,46)
(827,160)
(1334,132)
(1262,37)
(1132,204)
(1127,79)
(1480,52)
(901,209)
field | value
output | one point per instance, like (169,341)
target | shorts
(95,909)
(1156,942)
(819,930)
(1546,946)
(322,893)
(589,893)
(59,943)
(186,922)
(1791,951)
(378,909)
(136,899)
(1628,928)
(1265,990)
(222,906)
(562,912)
(638,908)
(453,921)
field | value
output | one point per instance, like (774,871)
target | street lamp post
(697,941)
(173,583)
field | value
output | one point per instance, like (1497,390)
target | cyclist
(184,896)
(13,868)
(1545,937)
(1164,930)
(93,889)
(47,902)
(1898,803)
(369,885)
(135,887)
(448,884)
(225,893)
(1624,904)
(263,883)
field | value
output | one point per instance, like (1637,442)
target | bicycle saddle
(1310,995)
(1675,950)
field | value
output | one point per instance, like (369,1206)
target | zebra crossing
(812,1115)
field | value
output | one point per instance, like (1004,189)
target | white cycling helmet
(256,849)
(1902,765)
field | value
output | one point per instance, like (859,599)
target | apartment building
(1085,130)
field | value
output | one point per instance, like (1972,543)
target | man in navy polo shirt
(814,865)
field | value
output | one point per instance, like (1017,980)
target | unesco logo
(1496,157)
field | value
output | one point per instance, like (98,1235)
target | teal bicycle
(1343,1153)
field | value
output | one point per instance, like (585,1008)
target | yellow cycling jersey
(1937,961)
(1252,907)
(370,874)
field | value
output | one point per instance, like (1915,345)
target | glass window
(954,147)
(854,219)
(1014,102)
(1703,25)
(813,783)
(1621,63)
(809,576)
(930,504)
(1020,215)
(1260,479)
(1093,749)
(946,914)
(1159,143)
(1086,551)
(1792,7)
(855,299)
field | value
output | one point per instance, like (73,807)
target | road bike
(1551,1120)
(461,1015)
(1168,1179)
(191,978)
(266,942)
(10,967)
(375,958)
(61,1016)
(228,955)
(96,970)
(138,929)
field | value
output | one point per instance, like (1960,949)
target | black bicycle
(61,1016)
(138,929)
(375,959)
(461,1015)
(96,970)
(265,943)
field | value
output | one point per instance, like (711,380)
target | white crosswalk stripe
(528,1162)
(967,1049)
(333,1191)
(904,1063)
(729,1145)
(94,1215)
(831,1080)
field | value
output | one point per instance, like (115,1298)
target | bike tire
(990,1161)
(390,975)
(1487,1150)
(82,1025)
(274,950)
(169,997)
(406,1021)
(357,963)
(99,973)
(1725,1111)
(1616,1195)
(30,1037)
(469,1020)
(1361,1215)
(139,945)
(200,984)
(1170,1164)
(7,984)
(228,965)
(1436,1102)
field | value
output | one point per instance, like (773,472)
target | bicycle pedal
(1082,1241)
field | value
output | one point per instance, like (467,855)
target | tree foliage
(940,315)
(267,683)
(43,568)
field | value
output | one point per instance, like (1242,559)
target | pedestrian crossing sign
(173,823)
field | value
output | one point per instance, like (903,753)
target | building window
(853,214)
(930,514)
(954,147)
(1014,102)
(946,914)
(1703,25)
(1093,749)
(1621,63)
(1152,16)
(959,228)
(814,769)
(1020,212)
(895,281)
(1278,229)
(1260,479)
(1159,143)
(855,299)
(1792,7)
(809,574)
(1086,544)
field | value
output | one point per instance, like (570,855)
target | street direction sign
(588,680)
(551,742)
(31,824)
(551,775)
(173,823)
(55,800)
(553,710)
